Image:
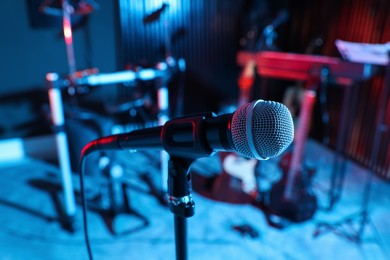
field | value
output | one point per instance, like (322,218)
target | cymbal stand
(68,36)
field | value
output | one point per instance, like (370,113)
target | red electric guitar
(237,181)
(291,199)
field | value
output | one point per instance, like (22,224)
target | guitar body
(302,205)
(235,184)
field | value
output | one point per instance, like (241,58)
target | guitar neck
(245,82)
(300,140)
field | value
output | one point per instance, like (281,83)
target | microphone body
(260,130)
(190,137)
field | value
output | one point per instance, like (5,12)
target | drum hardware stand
(117,204)
(55,85)
(113,198)
(363,215)
(58,122)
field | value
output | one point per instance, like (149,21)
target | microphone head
(262,129)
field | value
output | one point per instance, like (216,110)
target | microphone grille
(262,129)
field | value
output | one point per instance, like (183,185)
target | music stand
(378,54)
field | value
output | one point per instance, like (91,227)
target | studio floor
(29,227)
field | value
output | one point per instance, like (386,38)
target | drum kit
(112,199)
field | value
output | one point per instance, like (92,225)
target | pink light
(67,32)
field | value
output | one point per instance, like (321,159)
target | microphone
(260,129)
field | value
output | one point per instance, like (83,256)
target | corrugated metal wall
(201,32)
(365,21)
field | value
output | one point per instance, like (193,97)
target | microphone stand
(183,151)
(180,201)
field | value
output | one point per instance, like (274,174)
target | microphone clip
(180,200)
(185,136)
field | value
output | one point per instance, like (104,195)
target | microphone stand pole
(183,151)
(180,201)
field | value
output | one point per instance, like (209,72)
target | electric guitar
(237,181)
(291,199)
